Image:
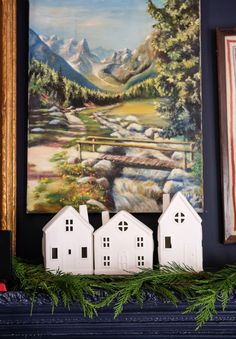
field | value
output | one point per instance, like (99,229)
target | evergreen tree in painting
(178,73)
(60,87)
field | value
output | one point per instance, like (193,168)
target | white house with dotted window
(67,242)
(122,244)
(180,233)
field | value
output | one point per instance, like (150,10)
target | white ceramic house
(122,245)
(68,242)
(180,234)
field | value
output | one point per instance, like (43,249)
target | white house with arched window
(122,245)
(67,242)
(180,234)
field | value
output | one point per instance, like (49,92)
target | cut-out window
(179,217)
(140,242)
(69,222)
(84,252)
(140,261)
(106,242)
(106,261)
(69,251)
(123,226)
(168,242)
(54,253)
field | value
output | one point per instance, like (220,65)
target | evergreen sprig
(33,279)
(200,291)
(218,286)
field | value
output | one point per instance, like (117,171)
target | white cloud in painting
(95,22)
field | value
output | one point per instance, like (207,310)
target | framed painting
(114,104)
(226,47)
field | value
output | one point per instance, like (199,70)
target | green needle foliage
(171,284)
(33,279)
(217,286)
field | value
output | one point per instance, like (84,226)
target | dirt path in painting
(39,164)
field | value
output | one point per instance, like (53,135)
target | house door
(69,258)
(189,255)
(123,258)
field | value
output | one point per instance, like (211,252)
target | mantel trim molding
(154,320)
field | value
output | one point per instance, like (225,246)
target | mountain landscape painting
(114,104)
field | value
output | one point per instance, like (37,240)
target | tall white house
(180,234)
(122,245)
(67,242)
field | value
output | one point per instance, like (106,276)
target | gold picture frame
(8,47)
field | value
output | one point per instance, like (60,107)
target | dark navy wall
(215,13)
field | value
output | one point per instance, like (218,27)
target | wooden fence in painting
(158,145)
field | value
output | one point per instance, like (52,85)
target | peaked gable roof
(63,211)
(126,216)
(179,197)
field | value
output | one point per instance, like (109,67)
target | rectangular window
(140,261)
(69,222)
(84,252)
(106,260)
(168,242)
(69,251)
(106,242)
(140,242)
(54,253)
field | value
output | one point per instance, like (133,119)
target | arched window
(179,217)
(123,226)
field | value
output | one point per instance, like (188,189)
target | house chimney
(83,211)
(105,217)
(166,201)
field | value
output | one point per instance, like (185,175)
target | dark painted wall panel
(215,13)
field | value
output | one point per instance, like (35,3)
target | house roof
(60,214)
(176,198)
(126,216)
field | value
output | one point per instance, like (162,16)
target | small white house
(68,242)
(180,234)
(122,245)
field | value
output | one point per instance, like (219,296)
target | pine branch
(206,293)
(34,279)
(200,291)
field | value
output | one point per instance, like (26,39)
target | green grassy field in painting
(144,110)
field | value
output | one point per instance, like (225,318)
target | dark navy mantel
(154,320)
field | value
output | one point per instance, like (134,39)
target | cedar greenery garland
(199,290)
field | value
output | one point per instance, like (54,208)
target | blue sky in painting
(108,23)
